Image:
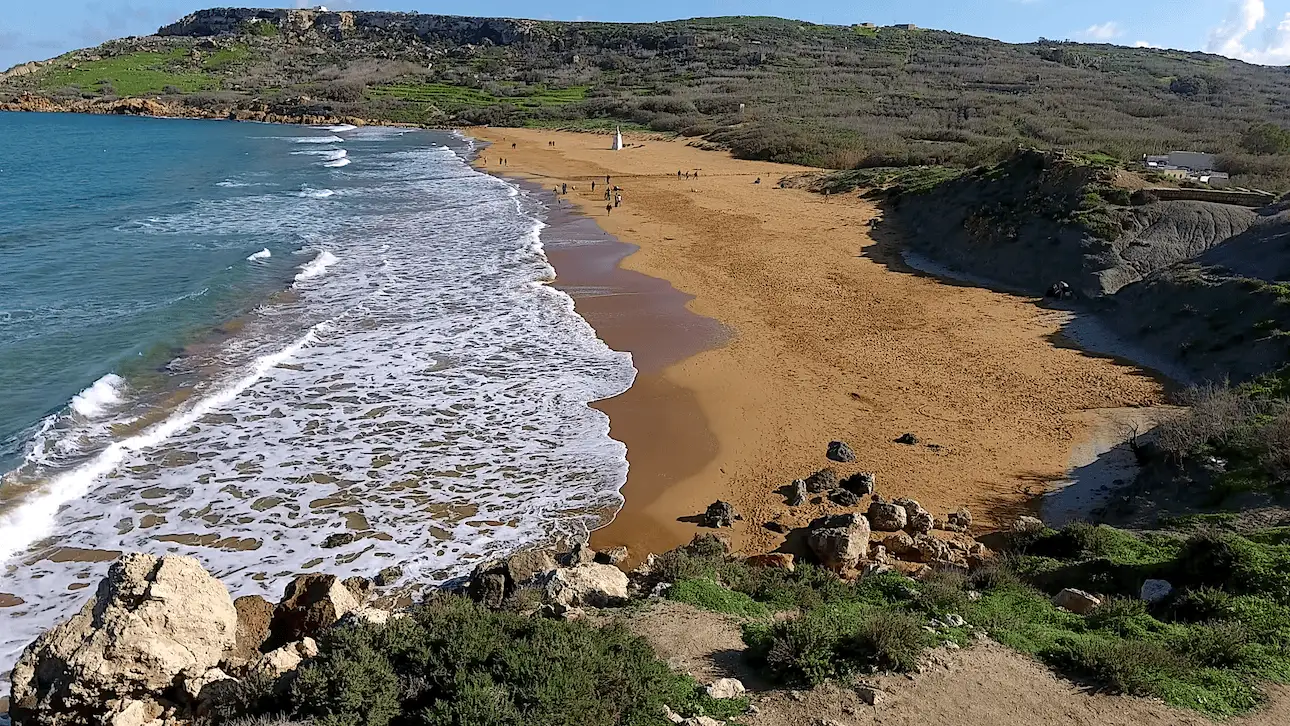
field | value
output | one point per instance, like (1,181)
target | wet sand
(832,337)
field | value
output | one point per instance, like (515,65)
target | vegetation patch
(131,74)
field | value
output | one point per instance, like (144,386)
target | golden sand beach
(831,336)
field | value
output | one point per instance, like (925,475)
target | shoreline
(826,344)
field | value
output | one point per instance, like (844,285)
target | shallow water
(388,362)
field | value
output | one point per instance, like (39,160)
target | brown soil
(829,343)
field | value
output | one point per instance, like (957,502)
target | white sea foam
(329,154)
(263,254)
(317,139)
(437,407)
(311,193)
(98,398)
(317,266)
(337,163)
(339,128)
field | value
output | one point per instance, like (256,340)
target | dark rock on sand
(844,498)
(720,514)
(862,484)
(798,496)
(908,439)
(840,452)
(821,481)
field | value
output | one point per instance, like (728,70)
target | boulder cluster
(162,642)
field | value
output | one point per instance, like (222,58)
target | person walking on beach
(618,200)
(564,188)
(609,209)
(593,185)
(606,178)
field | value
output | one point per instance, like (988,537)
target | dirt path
(831,340)
(985,685)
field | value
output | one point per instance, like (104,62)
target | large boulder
(720,514)
(797,494)
(527,567)
(959,520)
(589,585)
(900,545)
(930,549)
(774,560)
(151,619)
(844,498)
(886,517)
(917,519)
(278,662)
(254,614)
(488,584)
(840,542)
(312,603)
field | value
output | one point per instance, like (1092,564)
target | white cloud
(1106,31)
(1146,44)
(1232,37)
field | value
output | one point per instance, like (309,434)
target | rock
(488,584)
(129,712)
(720,514)
(959,520)
(725,688)
(1076,601)
(702,721)
(1026,524)
(275,663)
(151,619)
(612,556)
(777,560)
(340,539)
(581,554)
(368,615)
(207,687)
(821,481)
(710,543)
(311,604)
(887,517)
(588,585)
(254,614)
(908,439)
(862,484)
(878,554)
(798,497)
(527,567)
(777,527)
(870,695)
(900,544)
(840,542)
(672,716)
(1154,591)
(955,621)
(930,549)
(917,519)
(840,452)
(844,498)
(388,576)
(360,587)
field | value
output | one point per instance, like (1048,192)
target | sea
(280,349)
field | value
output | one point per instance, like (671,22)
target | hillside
(767,88)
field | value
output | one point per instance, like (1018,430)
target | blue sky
(1254,30)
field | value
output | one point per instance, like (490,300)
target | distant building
(1216,179)
(868,26)
(1194,160)
(906,26)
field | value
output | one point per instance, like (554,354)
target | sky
(1257,31)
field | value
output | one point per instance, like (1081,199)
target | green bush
(707,594)
(452,663)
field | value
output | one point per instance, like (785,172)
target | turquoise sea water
(232,340)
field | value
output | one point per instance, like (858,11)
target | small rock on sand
(840,452)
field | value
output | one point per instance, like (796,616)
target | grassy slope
(824,95)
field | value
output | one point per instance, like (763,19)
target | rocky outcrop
(1077,601)
(151,620)
(840,542)
(885,517)
(589,585)
(720,514)
(822,481)
(254,614)
(839,451)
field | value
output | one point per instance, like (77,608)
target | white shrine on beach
(618,139)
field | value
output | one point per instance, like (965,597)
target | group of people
(687,174)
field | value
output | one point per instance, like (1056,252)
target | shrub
(453,663)
(889,640)
(704,593)
(1201,604)
(1134,667)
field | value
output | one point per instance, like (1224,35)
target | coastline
(826,344)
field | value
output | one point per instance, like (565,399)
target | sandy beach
(830,336)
